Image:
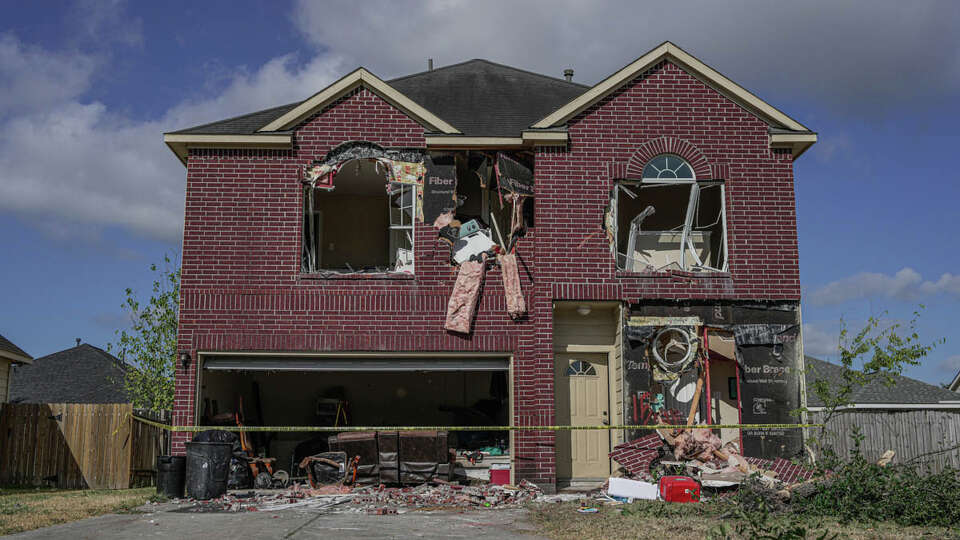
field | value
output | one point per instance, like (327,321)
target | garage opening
(356,392)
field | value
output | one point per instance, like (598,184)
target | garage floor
(160,522)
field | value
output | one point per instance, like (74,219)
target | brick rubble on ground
(377,500)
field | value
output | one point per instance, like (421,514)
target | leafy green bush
(862,491)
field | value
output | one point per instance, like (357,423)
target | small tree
(150,345)
(875,353)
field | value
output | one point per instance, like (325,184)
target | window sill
(389,276)
(674,274)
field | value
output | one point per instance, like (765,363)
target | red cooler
(500,473)
(679,489)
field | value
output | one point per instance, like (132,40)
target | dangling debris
(463,300)
(516,306)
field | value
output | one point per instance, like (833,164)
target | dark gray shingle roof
(8,346)
(478,97)
(482,98)
(906,390)
(246,124)
(82,374)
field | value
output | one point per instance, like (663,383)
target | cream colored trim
(572,348)
(798,143)
(14,357)
(359,77)
(803,378)
(359,354)
(241,140)
(179,143)
(699,69)
(529,138)
(545,138)
(473,142)
(511,439)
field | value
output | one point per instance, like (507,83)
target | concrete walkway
(161,522)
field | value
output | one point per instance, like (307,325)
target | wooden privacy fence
(72,445)
(929,438)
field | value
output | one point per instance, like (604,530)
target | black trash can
(208,467)
(170,476)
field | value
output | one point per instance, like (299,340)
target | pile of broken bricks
(704,455)
(426,496)
(377,500)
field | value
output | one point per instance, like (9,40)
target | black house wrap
(767,345)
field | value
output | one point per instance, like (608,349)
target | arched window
(668,167)
(579,367)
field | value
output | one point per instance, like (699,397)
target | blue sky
(90,196)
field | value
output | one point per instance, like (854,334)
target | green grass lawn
(24,509)
(655,519)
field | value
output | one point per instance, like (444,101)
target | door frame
(611,352)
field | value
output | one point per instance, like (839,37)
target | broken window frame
(690,215)
(406,223)
(311,248)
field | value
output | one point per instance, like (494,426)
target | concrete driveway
(163,521)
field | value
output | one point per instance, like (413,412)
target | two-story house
(481,245)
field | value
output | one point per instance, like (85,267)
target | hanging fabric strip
(463,300)
(516,305)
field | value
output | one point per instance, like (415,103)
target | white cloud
(819,342)
(69,162)
(907,285)
(950,364)
(824,51)
(101,23)
(32,79)
(72,165)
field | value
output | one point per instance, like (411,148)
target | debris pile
(443,495)
(703,455)
(378,500)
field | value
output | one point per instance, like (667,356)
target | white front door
(581,398)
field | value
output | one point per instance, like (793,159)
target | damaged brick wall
(667,105)
(242,288)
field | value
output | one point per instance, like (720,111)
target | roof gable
(486,99)
(11,352)
(669,51)
(359,77)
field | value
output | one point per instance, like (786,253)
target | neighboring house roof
(955,383)
(11,352)
(906,391)
(82,374)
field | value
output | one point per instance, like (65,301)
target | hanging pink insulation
(516,306)
(463,299)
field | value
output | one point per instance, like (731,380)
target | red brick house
(655,248)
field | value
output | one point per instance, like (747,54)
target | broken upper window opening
(669,219)
(359,219)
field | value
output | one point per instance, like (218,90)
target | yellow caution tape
(341,429)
